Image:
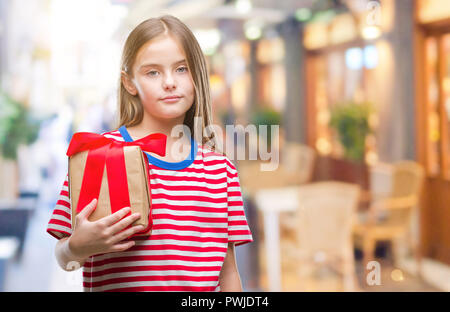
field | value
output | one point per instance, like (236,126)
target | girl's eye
(182,69)
(152,73)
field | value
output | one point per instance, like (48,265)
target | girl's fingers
(127,233)
(116,216)
(88,209)
(122,246)
(122,224)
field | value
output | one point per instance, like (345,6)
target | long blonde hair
(130,108)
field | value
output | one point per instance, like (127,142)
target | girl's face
(162,80)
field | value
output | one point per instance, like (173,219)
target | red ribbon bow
(103,150)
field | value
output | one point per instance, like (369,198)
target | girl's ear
(128,83)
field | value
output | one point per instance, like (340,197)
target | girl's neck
(154,125)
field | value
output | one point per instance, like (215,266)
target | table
(271,202)
(14,222)
(8,249)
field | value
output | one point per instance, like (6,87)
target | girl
(197,207)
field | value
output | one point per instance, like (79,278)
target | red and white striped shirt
(197,209)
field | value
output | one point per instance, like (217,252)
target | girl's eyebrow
(159,65)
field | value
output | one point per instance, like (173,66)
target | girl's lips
(173,99)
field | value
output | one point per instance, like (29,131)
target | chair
(325,216)
(395,195)
(296,167)
(298,162)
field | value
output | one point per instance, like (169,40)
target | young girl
(197,207)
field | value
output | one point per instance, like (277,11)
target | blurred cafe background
(360,90)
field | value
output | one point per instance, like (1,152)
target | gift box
(114,172)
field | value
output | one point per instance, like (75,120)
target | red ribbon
(103,150)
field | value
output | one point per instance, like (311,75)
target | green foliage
(266,116)
(351,122)
(16,126)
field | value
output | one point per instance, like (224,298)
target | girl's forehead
(160,50)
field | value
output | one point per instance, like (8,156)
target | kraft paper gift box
(135,177)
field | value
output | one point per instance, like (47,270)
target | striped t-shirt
(197,209)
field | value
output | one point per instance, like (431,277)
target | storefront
(348,60)
(432,32)
(409,48)
(409,51)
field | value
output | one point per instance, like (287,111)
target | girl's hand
(104,235)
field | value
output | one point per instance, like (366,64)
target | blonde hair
(130,108)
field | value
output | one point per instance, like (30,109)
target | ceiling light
(371,32)
(243,6)
(253,32)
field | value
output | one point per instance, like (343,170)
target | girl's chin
(168,111)
(169,116)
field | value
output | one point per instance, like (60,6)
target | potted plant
(17,126)
(266,116)
(351,122)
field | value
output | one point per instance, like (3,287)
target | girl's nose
(169,82)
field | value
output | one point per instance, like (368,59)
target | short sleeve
(60,224)
(238,229)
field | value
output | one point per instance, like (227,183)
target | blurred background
(360,89)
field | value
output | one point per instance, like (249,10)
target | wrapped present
(114,172)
